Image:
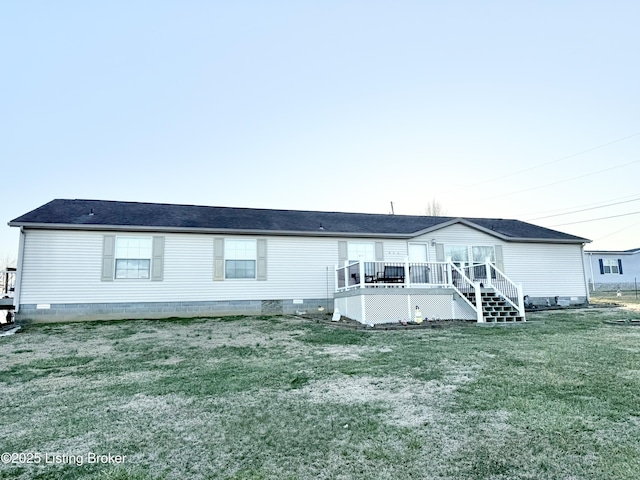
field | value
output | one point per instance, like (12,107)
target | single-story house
(611,270)
(93,259)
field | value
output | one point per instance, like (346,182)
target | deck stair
(495,309)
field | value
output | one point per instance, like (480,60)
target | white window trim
(254,259)
(373,251)
(116,258)
(610,263)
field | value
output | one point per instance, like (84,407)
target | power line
(596,219)
(618,231)
(565,180)
(568,156)
(580,206)
(586,209)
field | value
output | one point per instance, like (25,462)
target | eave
(319,233)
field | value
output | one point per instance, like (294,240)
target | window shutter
(157,259)
(601,266)
(379,252)
(108,253)
(620,266)
(261,270)
(440,252)
(343,252)
(499,258)
(218,259)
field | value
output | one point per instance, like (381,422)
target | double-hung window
(240,258)
(133,257)
(611,266)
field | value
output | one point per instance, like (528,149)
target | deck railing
(397,274)
(509,290)
(488,275)
(466,280)
(464,285)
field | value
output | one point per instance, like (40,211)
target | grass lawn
(286,398)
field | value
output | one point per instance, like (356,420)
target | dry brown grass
(286,398)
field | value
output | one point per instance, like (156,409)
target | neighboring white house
(610,270)
(92,259)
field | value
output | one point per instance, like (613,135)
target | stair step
(495,309)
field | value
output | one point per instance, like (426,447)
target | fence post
(335,278)
(521,302)
(361,273)
(407,279)
(478,292)
(346,274)
(487,264)
(449,276)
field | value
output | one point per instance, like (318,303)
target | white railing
(488,275)
(464,285)
(510,291)
(466,280)
(396,274)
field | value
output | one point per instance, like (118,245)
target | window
(364,251)
(480,254)
(133,257)
(610,266)
(240,258)
(458,253)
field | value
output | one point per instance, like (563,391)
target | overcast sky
(495,109)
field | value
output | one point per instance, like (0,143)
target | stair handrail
(508,289)
(468,283)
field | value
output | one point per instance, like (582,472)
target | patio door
(418,254)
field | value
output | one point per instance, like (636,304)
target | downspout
(584,273)
(593,279)
(18,285)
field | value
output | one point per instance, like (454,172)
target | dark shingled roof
(95,214)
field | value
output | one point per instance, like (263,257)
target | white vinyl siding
(65,267)
(627,278)
(544,269)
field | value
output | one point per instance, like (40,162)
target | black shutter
(620,266)
(601,266)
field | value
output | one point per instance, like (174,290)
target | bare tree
(8,260)
(435,209)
